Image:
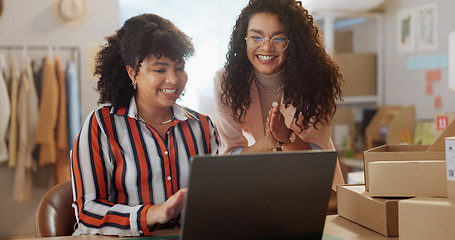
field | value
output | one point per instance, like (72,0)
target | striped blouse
(121,166)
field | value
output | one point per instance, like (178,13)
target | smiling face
(159,81)
(265,59)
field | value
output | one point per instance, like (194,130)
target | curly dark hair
(312,80)
(139,37)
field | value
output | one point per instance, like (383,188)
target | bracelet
(282,143)
(291,139)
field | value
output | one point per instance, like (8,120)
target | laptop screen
(276,195)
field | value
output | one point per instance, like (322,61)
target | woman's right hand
(166,211)
(277,126)
(266,144)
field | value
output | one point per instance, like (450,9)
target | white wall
(30,22)
(407,87)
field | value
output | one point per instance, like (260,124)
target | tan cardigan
(62,168)
(234,134)
(47,116)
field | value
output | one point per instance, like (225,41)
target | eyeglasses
(278,43)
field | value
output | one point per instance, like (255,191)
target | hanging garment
(74,102)
(5,68)
(5,109)
(37,69)
(47,116)
(62,167)
(27,112)
(33,113)
(12,140)
(22,187)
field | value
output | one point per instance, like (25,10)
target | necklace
(162,123)
(266,90)
(275,102)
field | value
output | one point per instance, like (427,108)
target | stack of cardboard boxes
(409,190)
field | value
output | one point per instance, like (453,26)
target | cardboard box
(355,177)
(343,41)
(442,121)
(392,125)
(408,179)
(375,131)
(378,214)
(450,160)
(398,153)
(426,218)
(408,152)
(359,73)
(401,128)
(440,142)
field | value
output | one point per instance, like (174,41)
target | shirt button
(169,178)
(166,152)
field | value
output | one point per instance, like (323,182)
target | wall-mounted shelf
(332,22)
(361,100)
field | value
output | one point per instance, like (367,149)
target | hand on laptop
(163,213)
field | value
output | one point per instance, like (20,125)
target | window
(209,23)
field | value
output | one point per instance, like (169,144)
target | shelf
(352,162)
(333,21)
(360,99)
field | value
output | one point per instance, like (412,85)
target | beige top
(13,127)
(234,136)
(22,187)
(269,89)
(28,115)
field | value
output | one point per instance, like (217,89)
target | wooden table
(336,228)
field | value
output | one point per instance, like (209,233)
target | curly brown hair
(312,80)
(139,37)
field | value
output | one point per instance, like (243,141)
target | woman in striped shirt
(130,162)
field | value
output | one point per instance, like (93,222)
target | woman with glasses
(279,87)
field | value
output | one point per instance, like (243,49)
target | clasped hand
(276,128)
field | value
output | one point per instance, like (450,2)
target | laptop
(275,195)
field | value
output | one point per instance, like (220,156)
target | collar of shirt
(180,113)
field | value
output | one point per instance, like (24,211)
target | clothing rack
(38,47)
(21,54)
(75,51)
